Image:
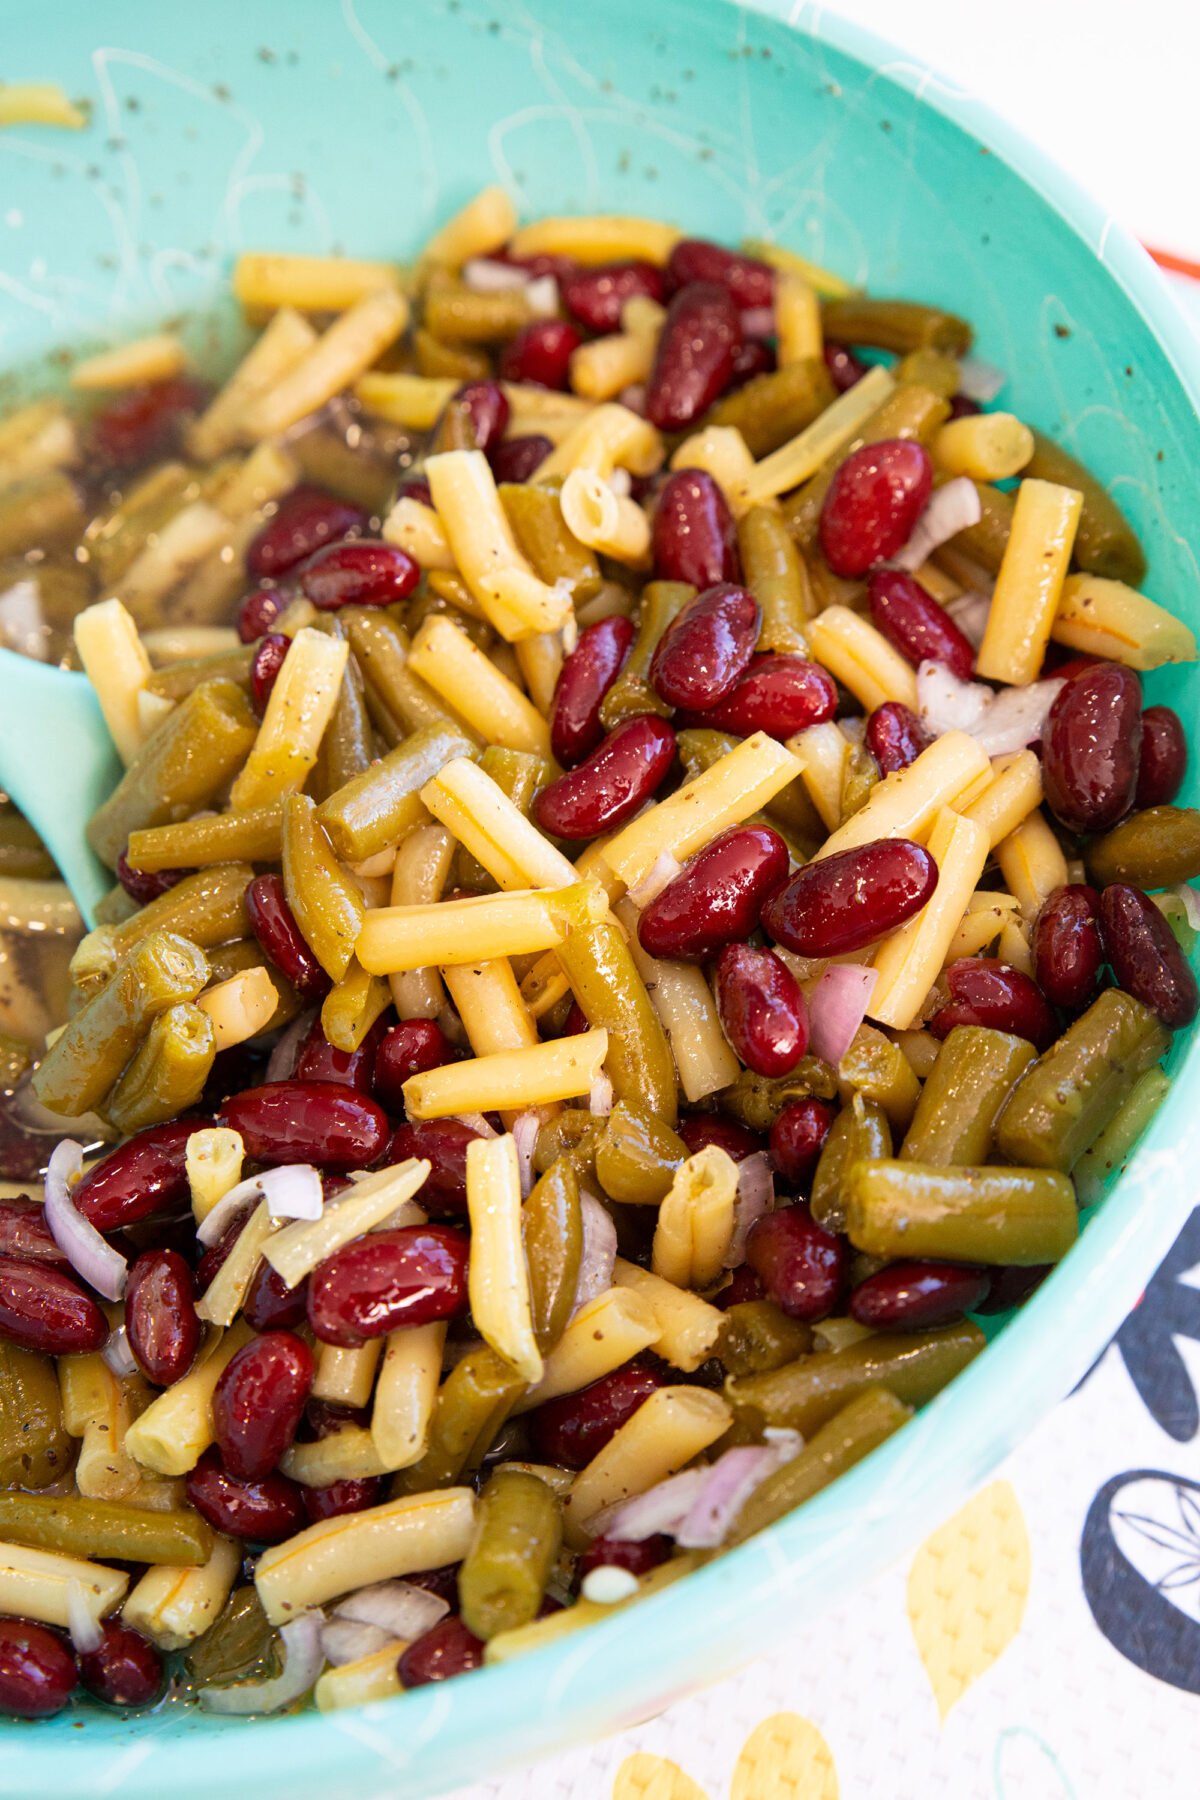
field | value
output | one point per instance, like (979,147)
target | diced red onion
(281,1064)
(633,398)
(599,1254)
(755,1196)
(999,722)
(980,380)
(951,509)
(395,1607)
(117,1354)
(758,321)
(727,1486)
(303,1660)
(837,1007)
(346,1641)
(525,1130)
(660,874)
(483,275)
(600,1097)
(1190,898)
(102,1267)
(293,1191)
(663,1507)
(970,613)
(86,1631)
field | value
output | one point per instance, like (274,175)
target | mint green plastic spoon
(58,763)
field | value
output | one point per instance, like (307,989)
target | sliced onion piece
(293,1191)
(303,1660)
(660,874)
(728,1484)
(87,1633)
(1190,898)
(347,1641)
(395,1607)
(1017,718)
(525,1130)
(541,297)
(663,1508)
(755,1196)
(476,1122)
(485,275)
(951,509)
(599,1256)
(980,380)
(117,1354)
(945,703)
(600,1097)
(102,1267)
(970,613)
(281,1064)
(837,1007)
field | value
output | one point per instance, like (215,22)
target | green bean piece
(963,1093)
(348,743)
(22,852)
(86,1058)
(631,692)
(535,515)
(962,1213)
(79,1527)
(899,325)
(552,1226)
(986,541)
(247,953)
(435,358)
(519,774)
(115,539)
(758,1100)
(774,571)
(455,429)
(168,1072)
(1064,1100)
(1112,1148)
(758,1336)
(376,808)
(931,369)
(398,701)
(853,1432)
(115,907)
(791,811)
(16,1056)
(208,907)
(465,317)
(352,1006)
(860,1131)
(518,1534)
(803,1395)
(1105,543)
(38,512)
(179,679)
(360,473)
(1158,847)
(912,411)
(253,836)
(326,903)
(184,765)
(595,960)
(574,1136)
(879,1070)
(860,775)
(473,1403)
(35,1449)
(240,1646)
(637,1155)
(770,409)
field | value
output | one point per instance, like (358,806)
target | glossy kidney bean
(844,367)
(701,336)
(145,1176)
(587,674)
(963,407)
(913,622)
(410,1276)
(25,1235)
(281,939)
(319,1060)
(363,572)
(776,694)
(143,886)
(595,296)
(264,670)
(340,1497)
(211,1263)
(541,353)
(160,1316)
(407,1049)
(797,1138)
(259,1401)
(37,1670)
(617,779)
(575,1427)
(519,458)
(43,1309)
(445,1650)
(261,1512)
(1068,947)
(308,1121)
(915,1296)
(414,487)
(304,521)
(874,500)
(694,538)
(487,405)
(624,1553)
(750,283)
(258,611)
(324,1418)
(1163,761)
(444,1142)
(1092,747)
(145,423)
(1011,1286)
(744,1285)
(272,1306)
(125,1669)
(706,647)
(985,991)
(698,1130)
(1145,956)
(442,1581)
(802,1266)
(716,898)
(761,1009)
(895,736)
(845,901)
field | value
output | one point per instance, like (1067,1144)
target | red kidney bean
(1092,747)
(264,670)
(410,1276)
(145,1176)
(802,1266)
(325,1418)
(1145,956)
(415,487)
(213,1260)
(25,1235)
(349,1496)
(445,1650)
(1068,947)
(575,1427)
(706,647)
(541,353)
(444,1142)
(587,674)
(701,335)
(761,1009)
(895,736)
(360,573)
(617,779)
(847,900)
(308,1121)
(43,1309)
(694,538)
(258,611)
(754,358)
(160,1316)
(305,519)
(262,1512)
(519,458)
(963,407)
(743,1285)
(914,624)
(281,939)
(408,1049)
(844,367)
(125,1669)
(258,1403)
(596,296)
(319,1060)
(542,262)
(1012,1286)
(624,1553)
(914,1296)
(874,500)
(985,991)
(145,423)
(143,886)
(37,1670)
(750,283)
(1163,762)
(698,1130)
(716,899)
(487,406)
(776,694)
(443,1582)
(271,1305)
(797,1137)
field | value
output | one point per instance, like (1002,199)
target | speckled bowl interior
(359,126)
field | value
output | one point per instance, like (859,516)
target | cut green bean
(911,411)
(556,554)
(1105,542)
(637,1155)
(758,1336)
(879,1070)
(1156,848)
(631,692)
(348,746)
(473,1403)
(374,810)
(774,571)
(853,1432)
(352,1006)
(106,1528)
(34,1447)
(758,1100)
(861,1130)
(963,1093)
(552,1227)
(1023,1217)
(208,907)
(326,903)
(1115,1143)
(574,1136)
(518,1533)
(240,1646)
(612,995)
(168,1072)
(465,317)
(770,409)
(179,679)
(899,325)
(398,701)
(253,836)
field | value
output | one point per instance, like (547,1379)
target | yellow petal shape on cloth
(967,1589)
(647,1777)
(785,1758)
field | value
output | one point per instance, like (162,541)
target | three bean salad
(646,896)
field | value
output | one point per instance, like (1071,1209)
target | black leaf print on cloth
(1139,1559)
(1167,1310)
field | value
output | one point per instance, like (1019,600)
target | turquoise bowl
(359,127)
